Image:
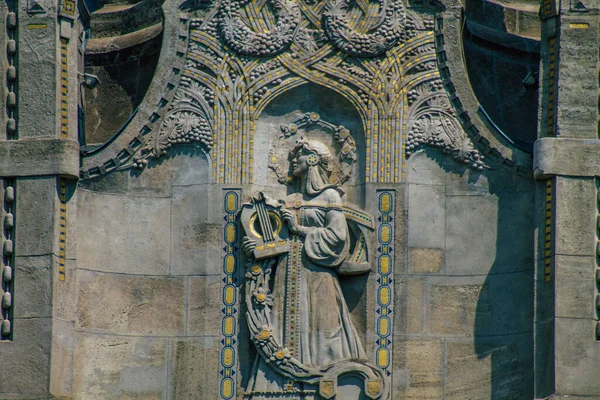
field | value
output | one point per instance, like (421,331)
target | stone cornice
(566,156)
(39,157)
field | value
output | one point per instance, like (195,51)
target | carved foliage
(433,123)
(260,301)
(187,121)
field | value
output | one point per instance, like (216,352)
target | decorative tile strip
(64,89)
(384,289)
(62,247)
(67,9)
(552,72)
(231,205)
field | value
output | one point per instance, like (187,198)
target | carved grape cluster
(439,131)
(190,128)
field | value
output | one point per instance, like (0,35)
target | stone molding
(40,156)
(566,156)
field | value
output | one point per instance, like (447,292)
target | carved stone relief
(242,55)
(296,247)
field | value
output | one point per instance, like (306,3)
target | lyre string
(264,220)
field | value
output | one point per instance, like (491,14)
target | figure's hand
(290,218)
(248,246)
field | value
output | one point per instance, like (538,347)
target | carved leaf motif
(442,130)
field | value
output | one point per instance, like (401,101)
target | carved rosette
(245,41)
(351,42)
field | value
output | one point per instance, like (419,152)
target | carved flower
(253,270)
(264,334)
(344,132)
(281,355)
(263,297)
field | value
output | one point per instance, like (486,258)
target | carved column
(566,159)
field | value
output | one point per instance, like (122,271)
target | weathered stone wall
(133,283)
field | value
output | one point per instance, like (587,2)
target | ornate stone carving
(379,56)
(295,299)
(246,41)
(433,123)
(341,138)
(187,121)
(351,42)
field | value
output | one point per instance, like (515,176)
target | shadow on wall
(479,301)
(503,328)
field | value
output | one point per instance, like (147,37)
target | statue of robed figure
(297,315)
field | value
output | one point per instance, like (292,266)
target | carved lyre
(262,222)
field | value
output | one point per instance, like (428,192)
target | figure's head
(312,160)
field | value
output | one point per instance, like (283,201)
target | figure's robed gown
(324,332)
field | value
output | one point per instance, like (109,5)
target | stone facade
(428,223)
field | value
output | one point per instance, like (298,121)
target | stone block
(515,232)
(426,216)
(65,292)
(576,212)
(61,362)
(25,360)
(576,357)
(197,244)
(191,169)
(455,309)
(415,309)
(131,304)
(471,234)
(33,286)
(565,156)
(425,261)
(34,216)
(41,156)
(575,289)
(424,169)
(37,82)
(508,307)
(423,359)
(154,181)
(468,374)
(204,306)
(194,369)
(117,367)
(123,234)
(467,182)
(488,369)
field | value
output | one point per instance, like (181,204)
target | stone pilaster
(567,154)
(39,157)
